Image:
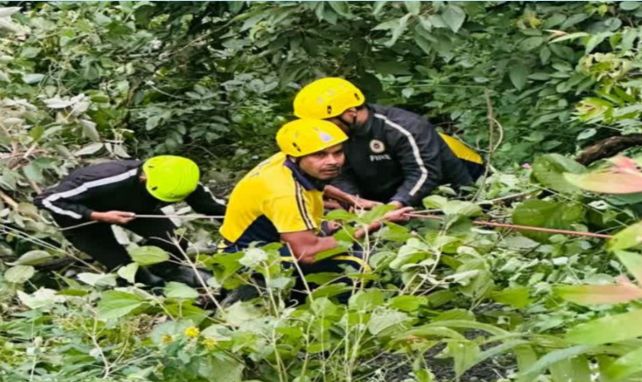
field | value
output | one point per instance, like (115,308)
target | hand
(397,204)
(331,226)
(399,215)
(331,204)
(306,259)
(113,217)
(364,204)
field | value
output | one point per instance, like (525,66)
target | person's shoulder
(270,177)
(397,119)
(106,169)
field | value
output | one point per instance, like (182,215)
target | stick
(522,227)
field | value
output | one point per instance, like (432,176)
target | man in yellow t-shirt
(281,199)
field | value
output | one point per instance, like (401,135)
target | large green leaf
(454,17)
(34,257)
(628,364)
(629,237)
(548,214)
(612,328)
(518,74)
(633,263)
(115,304)
(554,357)
(148,255)
(549,170)
(19,274)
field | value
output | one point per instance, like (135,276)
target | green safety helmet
(170,178)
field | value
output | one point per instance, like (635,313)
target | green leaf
(385,322)
(531,43)
(628,364)
(517,297)
(19,274)
(454,17)
(97,279)
(570,36)
(34,257)
(340,7)
(407,303)
(366,300)
(518,74)
(595,40)
(128,272)
(548,214)
(115,304)
(549,170)
(398,30)
(612,328)
(43,298)
(32,78)
(253,257)
(413,7)
(180,291)
(629,5)
(148,255)
(553,357)
(629,237)
(464,354)
(633,263)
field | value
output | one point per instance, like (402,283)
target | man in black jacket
(114,193)
(392,155)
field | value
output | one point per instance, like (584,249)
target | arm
(306,244)
(396,216)
(203,201)
(418,151)
(335,193)
(67,199)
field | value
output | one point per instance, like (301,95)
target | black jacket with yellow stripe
(399,156)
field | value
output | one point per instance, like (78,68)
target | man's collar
(306,181)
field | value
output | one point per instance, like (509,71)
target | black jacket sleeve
(417,147)
(204,202)
(96,181)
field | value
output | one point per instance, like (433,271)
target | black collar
(308,182)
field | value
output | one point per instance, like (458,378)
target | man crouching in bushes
(114,193)
(281,199)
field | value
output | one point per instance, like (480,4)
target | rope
(521,227)
(148,216)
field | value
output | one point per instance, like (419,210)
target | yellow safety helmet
(306,136)
(170,178)
(326,98)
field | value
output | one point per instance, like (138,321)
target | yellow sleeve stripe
(300,202)
(461,150)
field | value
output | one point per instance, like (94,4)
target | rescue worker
(114,193)
(392,155)
(281,199)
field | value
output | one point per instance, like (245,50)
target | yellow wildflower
(167,338)
(209,343)
(192,332)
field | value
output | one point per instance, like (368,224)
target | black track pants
(98,240)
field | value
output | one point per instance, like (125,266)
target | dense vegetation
(528,84)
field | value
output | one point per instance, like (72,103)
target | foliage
(84,82)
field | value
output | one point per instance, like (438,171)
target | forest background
(528,84)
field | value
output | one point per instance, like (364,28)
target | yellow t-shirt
(273,198)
